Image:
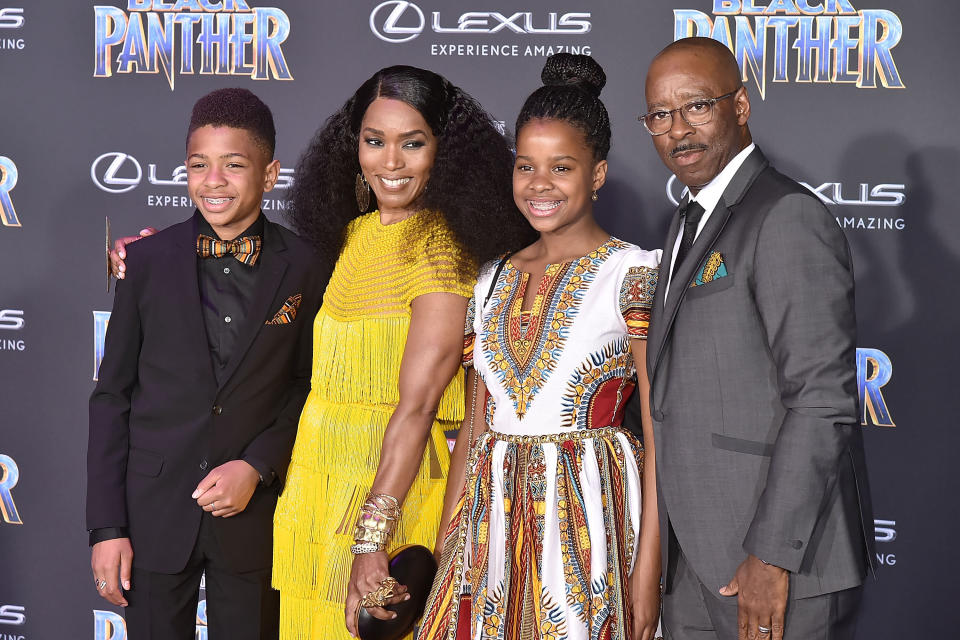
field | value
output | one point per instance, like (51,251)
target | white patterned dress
(545,535)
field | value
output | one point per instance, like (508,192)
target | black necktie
(691,219)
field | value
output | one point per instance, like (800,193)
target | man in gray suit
(751,358)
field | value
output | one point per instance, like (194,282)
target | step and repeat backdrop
(857,99)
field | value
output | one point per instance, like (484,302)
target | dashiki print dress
(545,535)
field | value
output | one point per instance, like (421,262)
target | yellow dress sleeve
(441,265)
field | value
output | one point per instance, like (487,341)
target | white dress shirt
(708,197)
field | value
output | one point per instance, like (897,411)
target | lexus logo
(387,29)
(676,190)
(831,193)
(105,169)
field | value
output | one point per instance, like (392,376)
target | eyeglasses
(695,113)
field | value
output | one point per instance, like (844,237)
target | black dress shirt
(226,292)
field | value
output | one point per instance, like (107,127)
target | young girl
(550,516)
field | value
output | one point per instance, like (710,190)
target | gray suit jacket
(754,391)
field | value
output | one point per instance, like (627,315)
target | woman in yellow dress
(406,189)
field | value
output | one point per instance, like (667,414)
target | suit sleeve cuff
(267,475)
(785,554)
(107,533)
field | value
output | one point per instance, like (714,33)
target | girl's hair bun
(577,70)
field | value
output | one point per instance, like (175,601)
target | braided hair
(571,93)
(469,184)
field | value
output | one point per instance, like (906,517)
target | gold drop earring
(362,191)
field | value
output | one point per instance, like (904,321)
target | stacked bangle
(376,523)
(365,547)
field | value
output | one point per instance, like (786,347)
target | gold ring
(379,596)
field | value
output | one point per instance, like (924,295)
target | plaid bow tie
(246,249)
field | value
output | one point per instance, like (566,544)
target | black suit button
(796,544)
(217,409)
(204,464)
(658,415)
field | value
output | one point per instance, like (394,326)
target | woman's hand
(368,571)
(119,252)
(645,594)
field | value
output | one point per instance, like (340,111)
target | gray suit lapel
(748,172)
(752,166)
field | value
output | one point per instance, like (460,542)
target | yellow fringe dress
(358,340)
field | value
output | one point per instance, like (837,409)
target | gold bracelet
(377,519)
(368,535)
(384,504)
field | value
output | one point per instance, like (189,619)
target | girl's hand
(645,594)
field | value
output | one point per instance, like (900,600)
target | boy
(206,367)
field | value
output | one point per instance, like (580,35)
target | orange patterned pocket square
(288,311)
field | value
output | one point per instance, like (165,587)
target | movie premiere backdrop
(858,99)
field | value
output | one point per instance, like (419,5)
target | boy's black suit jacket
(160,420)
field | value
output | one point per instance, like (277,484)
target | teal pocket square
(712,269)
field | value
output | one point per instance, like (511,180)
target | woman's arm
(461,452)
(432,354)
(645,581)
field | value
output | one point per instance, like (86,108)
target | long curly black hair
(571,93)
(469,184)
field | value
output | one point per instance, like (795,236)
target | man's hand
(762,599)
(111,561)
(227,489)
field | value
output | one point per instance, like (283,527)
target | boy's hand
(111,561)
(227,489)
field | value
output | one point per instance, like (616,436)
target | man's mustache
(683,148)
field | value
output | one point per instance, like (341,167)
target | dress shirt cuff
(267,476)
(107,533)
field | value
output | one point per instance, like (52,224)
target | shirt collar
(255,228)
(709,196)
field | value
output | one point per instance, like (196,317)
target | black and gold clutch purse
(414,567)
